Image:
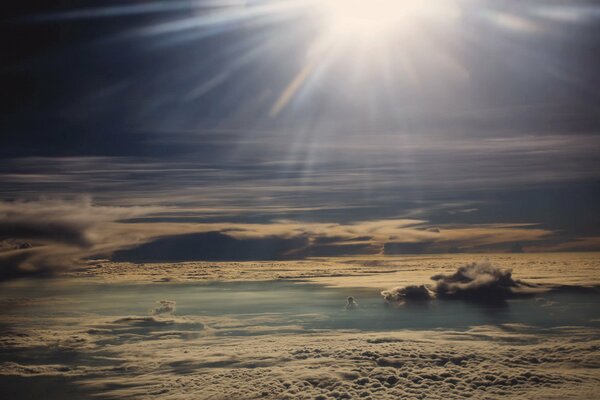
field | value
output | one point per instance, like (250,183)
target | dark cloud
(12,244)
(48,221)
(39,261)
(164,307)
(476,282)
(212,246)
(143,321)
(47,235)
(480,282)
(408,248)
(41,237)
(351,303)
(333,239)
(408,294)
(334,250)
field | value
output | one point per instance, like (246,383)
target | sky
(266,130)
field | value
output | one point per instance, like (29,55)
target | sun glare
(369,18)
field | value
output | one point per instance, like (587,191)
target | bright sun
(368,17)
(367,36)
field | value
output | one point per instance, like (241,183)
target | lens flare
(376,17)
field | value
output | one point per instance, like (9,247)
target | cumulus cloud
(408,293)
(351,304)
(480,282)
(486,361)
(164,307)
(477,282)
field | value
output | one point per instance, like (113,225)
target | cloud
(140,328)
(408,293)
(143,321)
(479,282)
(485,361)
(38,261)
(337,250)
(164,307)
(69,222)
(212,246)
(351,304)
(408,248)
(58,370)
(577,244)
(48,235)
(256,355)
(10,244)
(41,237)
(285,239)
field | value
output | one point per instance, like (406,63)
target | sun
(369,40)
(368,17)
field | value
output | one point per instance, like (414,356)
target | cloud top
(479,282)
(164,307)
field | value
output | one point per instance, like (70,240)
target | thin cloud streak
(48,235)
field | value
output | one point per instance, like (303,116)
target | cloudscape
(238,199)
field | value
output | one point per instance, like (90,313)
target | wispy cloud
(58,233)
(45,235)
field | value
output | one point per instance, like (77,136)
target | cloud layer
(152,359)
(122,337)
(47,235)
